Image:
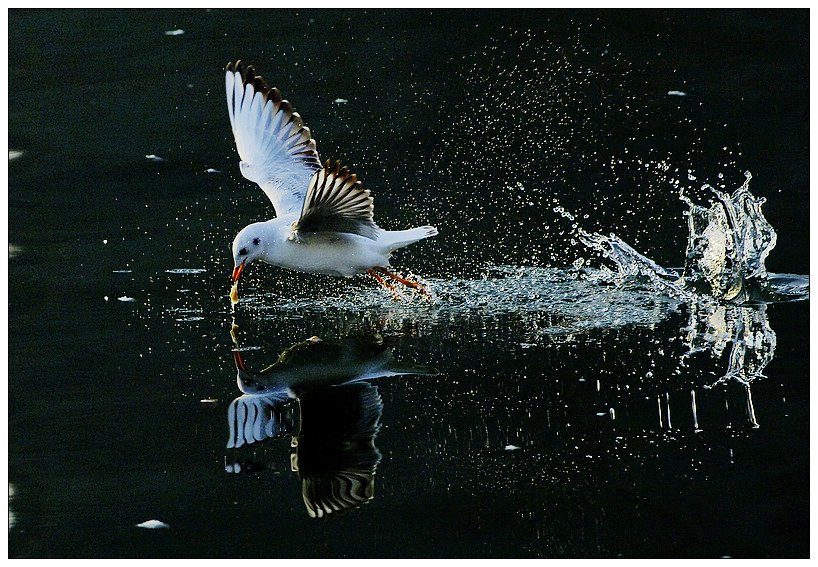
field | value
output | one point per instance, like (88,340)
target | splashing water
(728,244)
(724,283)
(630,264)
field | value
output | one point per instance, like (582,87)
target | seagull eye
(256,241)
(243,252)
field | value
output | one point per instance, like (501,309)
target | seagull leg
(387,285)
(407,283)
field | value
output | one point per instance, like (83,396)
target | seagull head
(250,244)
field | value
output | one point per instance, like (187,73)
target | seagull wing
(335,202)
(275,147)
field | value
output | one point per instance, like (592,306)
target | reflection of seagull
(316,393)
(324,222)
(333,431)
(335,453)
(315,363)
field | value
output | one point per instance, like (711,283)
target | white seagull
(324,221)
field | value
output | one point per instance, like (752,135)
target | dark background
(480,123)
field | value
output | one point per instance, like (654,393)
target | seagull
(324,219)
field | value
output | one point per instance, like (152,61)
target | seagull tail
(394,239)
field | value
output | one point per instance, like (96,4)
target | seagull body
(324,218)
(330,253)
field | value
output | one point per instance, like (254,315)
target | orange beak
(238,270)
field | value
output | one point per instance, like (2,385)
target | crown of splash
(728,244)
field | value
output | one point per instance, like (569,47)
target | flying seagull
(324,218)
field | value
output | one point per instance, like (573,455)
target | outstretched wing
(335,202)
(275,147)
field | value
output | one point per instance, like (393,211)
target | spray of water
(728,244)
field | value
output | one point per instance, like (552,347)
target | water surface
(555,409)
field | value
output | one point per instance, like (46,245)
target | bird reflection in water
(318,393)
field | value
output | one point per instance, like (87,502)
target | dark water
(558,415)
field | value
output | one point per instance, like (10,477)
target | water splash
(631,265)
(724,284)
(728,244)
(544,302)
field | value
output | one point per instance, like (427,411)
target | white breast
(329,253)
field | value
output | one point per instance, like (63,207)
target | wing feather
(277,151)
(336,202)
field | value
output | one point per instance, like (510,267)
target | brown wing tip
(249,76)
(275,96)
(340,173)
(334,169)
(244,70)
(260,85)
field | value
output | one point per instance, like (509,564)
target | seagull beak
(237,359)
(238,270)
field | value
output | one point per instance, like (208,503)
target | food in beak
(234,291)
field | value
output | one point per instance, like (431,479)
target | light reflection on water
(548,378)
(574,412)
(317,393)
(565,420)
